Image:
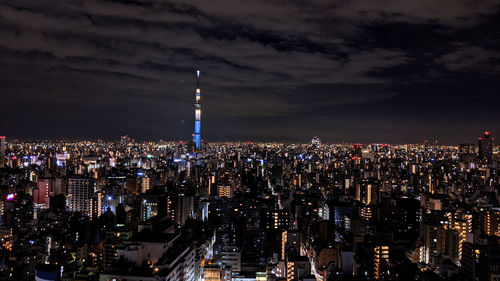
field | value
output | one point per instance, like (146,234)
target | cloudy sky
(364,71)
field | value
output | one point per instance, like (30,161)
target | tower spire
(197,115)
(197,79)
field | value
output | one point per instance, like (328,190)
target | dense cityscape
(258,140)
(126,210)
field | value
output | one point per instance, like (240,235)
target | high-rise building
(197,115)
(145,184)
(80,191)
(42,192)
(380,258)
(471,261)
(485,146)
(432,239)
(96,203)
(488,143)
(492,222)
(46,188)
(2,151)
(184,209)
(480,152)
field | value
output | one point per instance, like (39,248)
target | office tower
(149,208)
(197,115)
(2,151)
(488,143)
(80,191)
(42,192)
(46,188)
(485,146)
(96,203)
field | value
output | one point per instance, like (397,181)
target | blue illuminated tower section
(197,115)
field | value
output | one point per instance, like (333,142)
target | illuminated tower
(197,115)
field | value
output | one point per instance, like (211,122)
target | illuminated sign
(10,197)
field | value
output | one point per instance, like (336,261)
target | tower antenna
(197,115)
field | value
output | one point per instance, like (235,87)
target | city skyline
(249,140)
(249,211)
(472,141)
(354,71)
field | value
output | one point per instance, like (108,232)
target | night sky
(362,71)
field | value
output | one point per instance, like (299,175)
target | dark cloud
(392,71)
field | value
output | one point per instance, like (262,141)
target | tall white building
(80,191)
